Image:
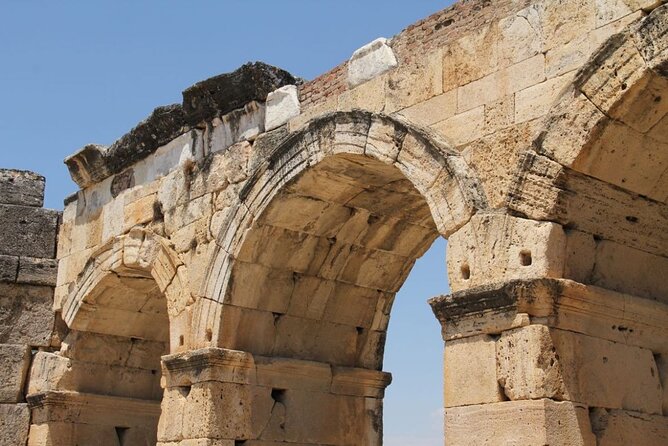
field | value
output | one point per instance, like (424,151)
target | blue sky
(77,72)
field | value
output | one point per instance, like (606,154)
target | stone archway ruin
(273,220)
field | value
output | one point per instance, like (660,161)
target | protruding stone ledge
(57,406)
(371,60)
(202,102)
(233,366)
(559,303)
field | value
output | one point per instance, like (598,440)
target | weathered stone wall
(258,232)
(27,279)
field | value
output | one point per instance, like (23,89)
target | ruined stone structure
(227,270)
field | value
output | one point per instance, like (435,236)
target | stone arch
(611,122)
(423,160)
(139,258)
(119,314)
(299,293)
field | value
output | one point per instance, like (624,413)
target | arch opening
(110,360)
(312,285)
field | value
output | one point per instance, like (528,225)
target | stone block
(527,423)
(28,231)
(431,111)
(463,127)
(281,106)
(620,427)
(414,82)
(9,266)
(37,271)
(369,61)
(239,125)
(21,187)
(14,424)
(217,410)
(368,96)
(51,372)
(535,101)
(470,372)
(539,362)
(494,248)
(26,315)
(14,363)
(502,83)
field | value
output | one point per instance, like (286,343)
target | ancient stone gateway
(226,272)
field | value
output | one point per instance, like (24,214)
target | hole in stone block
(184,390)
(209,334)
(278,395)
(239,442)
(181,340)
(466,271)
(525,257)
(121,434)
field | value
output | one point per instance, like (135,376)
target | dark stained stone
(229,91)
(21,187)
(28,231)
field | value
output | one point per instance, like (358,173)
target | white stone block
(282,105)
(370,61)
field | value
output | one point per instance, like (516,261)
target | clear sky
(78,72)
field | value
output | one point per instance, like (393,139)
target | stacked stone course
(28,272)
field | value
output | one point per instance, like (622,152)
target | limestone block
(315,340)
(499,114)
(566,20)
(28,231)
(367,96)
(9,266)
(21,187)
(537,362)
(535,101)
(37,271)
(170,426)
(314,417)
(26,315)
(14,424)
(53,434)
(580,256)
(629,270)
(240,125)
(217,410)
(431,111)
(113,350)
(527,423)
(369,61)
(54,372)
(501,83)
(494,248)
(470,372)
(415,81)
(471,57)
(284,373)
(618,427)
(463,127)
(520,36)
(14,363)
(281,106)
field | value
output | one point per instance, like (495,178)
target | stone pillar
(553,361)
(27,277)
(228,397)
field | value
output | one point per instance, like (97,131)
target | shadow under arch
(308,263)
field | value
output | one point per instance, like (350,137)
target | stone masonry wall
(27,278)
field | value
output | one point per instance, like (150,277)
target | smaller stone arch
(101,297)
